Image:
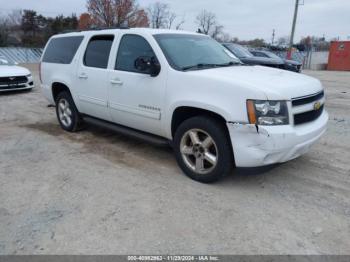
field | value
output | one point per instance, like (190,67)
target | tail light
(41,81)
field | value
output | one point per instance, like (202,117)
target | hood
(274,83)
(6,71)
(262,60)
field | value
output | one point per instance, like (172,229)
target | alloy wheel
(64,112)
(199,151)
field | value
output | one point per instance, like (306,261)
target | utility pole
(273,37)
(289,54)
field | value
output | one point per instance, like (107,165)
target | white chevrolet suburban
(186,90)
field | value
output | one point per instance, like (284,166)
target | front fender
(192,104)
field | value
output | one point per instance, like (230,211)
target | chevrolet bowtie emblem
(12,78)
(317,106)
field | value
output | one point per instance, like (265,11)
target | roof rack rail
(95,29)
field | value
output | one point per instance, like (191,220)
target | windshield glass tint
(240,51)
(183,50)
(272,55)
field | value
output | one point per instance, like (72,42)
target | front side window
(98,50)
(185,51)
(132,47)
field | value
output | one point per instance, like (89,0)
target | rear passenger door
(92,77)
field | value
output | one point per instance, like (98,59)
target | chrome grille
(308,108)
(307,99)
(13,80)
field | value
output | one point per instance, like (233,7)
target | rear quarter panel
(60,73)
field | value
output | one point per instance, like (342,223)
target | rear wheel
(67,113)
(203,149)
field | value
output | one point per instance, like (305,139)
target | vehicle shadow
(16,92)
(252,176)
(166,155)
(114,147)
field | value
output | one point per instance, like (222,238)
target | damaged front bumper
(255,146)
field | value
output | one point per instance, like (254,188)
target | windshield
(272,55)
(185,52)
(239,51)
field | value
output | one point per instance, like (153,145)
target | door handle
(117,82)
(83,76)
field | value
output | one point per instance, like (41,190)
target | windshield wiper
(203,65)
(229,64)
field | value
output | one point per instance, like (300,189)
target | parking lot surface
(97,192)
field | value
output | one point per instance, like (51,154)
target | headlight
(267,113)
(30,75)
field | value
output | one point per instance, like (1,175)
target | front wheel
(203,149)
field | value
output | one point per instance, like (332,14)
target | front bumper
(17,87)
(293,68)
(268,145)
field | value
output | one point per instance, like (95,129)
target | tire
(203,149)
(67,113)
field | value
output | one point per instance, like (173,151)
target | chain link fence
(21,54)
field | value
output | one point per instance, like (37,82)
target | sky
(245,19)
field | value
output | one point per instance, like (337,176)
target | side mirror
(148,64)
(155,67)
(143,63)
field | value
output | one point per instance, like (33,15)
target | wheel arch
(58,87)
(182,113)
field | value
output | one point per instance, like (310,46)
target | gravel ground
(96,192)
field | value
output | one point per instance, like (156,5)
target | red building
(339,56)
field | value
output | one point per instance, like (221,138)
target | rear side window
(62,50)
(98,50)
(132,47)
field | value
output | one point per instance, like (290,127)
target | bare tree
(171,19)
(283,41)
(4,31)
(206,21)
(101,12)
(217,32)
(180,23)
(225,38)
(159,15)
(15,17)
(111,13)
(235,40)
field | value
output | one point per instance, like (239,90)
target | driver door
(135,98)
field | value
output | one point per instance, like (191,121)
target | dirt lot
(96,192)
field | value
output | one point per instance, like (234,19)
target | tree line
(31,29)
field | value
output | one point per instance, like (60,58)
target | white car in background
(13,77)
